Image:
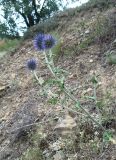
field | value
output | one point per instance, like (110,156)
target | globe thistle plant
(44,42)
(38,42)
(48,41)
(31,64)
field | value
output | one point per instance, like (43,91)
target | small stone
(99,83)
(87,91)
(45,152)
(91,60)
(68,123)
(56,146)
(59,156)
(73,76)
(81,35)
(96,133)
(87,32)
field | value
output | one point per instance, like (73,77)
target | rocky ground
(30,126)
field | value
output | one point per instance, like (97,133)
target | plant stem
(51,57)
(35,74)
(76,101)
(66,91)
(48,64)
(95,97)
(38,80)
(94,92)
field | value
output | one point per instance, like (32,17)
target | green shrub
(43,27)
(33,154)
(111,59)
(86,42)
(9,45)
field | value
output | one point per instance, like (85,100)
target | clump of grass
(42,27)
(57,50)
(86,43)
(102,32)
(9,45)
(100,4)
(111,59)
(33,154)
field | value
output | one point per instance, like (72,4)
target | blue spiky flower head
(48,41)
(38,41)
(44,42)
(31,64)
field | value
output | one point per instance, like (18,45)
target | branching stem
(66,91)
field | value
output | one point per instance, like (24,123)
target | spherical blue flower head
(31,64)
(38,42)
(48,41)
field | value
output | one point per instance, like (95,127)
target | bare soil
(21,104)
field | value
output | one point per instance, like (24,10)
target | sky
(70,5)
(78,3)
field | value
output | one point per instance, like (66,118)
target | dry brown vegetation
(86,40)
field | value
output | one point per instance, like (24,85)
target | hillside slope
(86,47)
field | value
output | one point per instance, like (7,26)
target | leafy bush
(43,27)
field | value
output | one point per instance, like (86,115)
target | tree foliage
(31,11)
(9,30)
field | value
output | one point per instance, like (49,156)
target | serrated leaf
(107,136)
(113,140)
(89,97)
(53,100)
(78,105)
(41,80)
(59,70)
(94,80)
